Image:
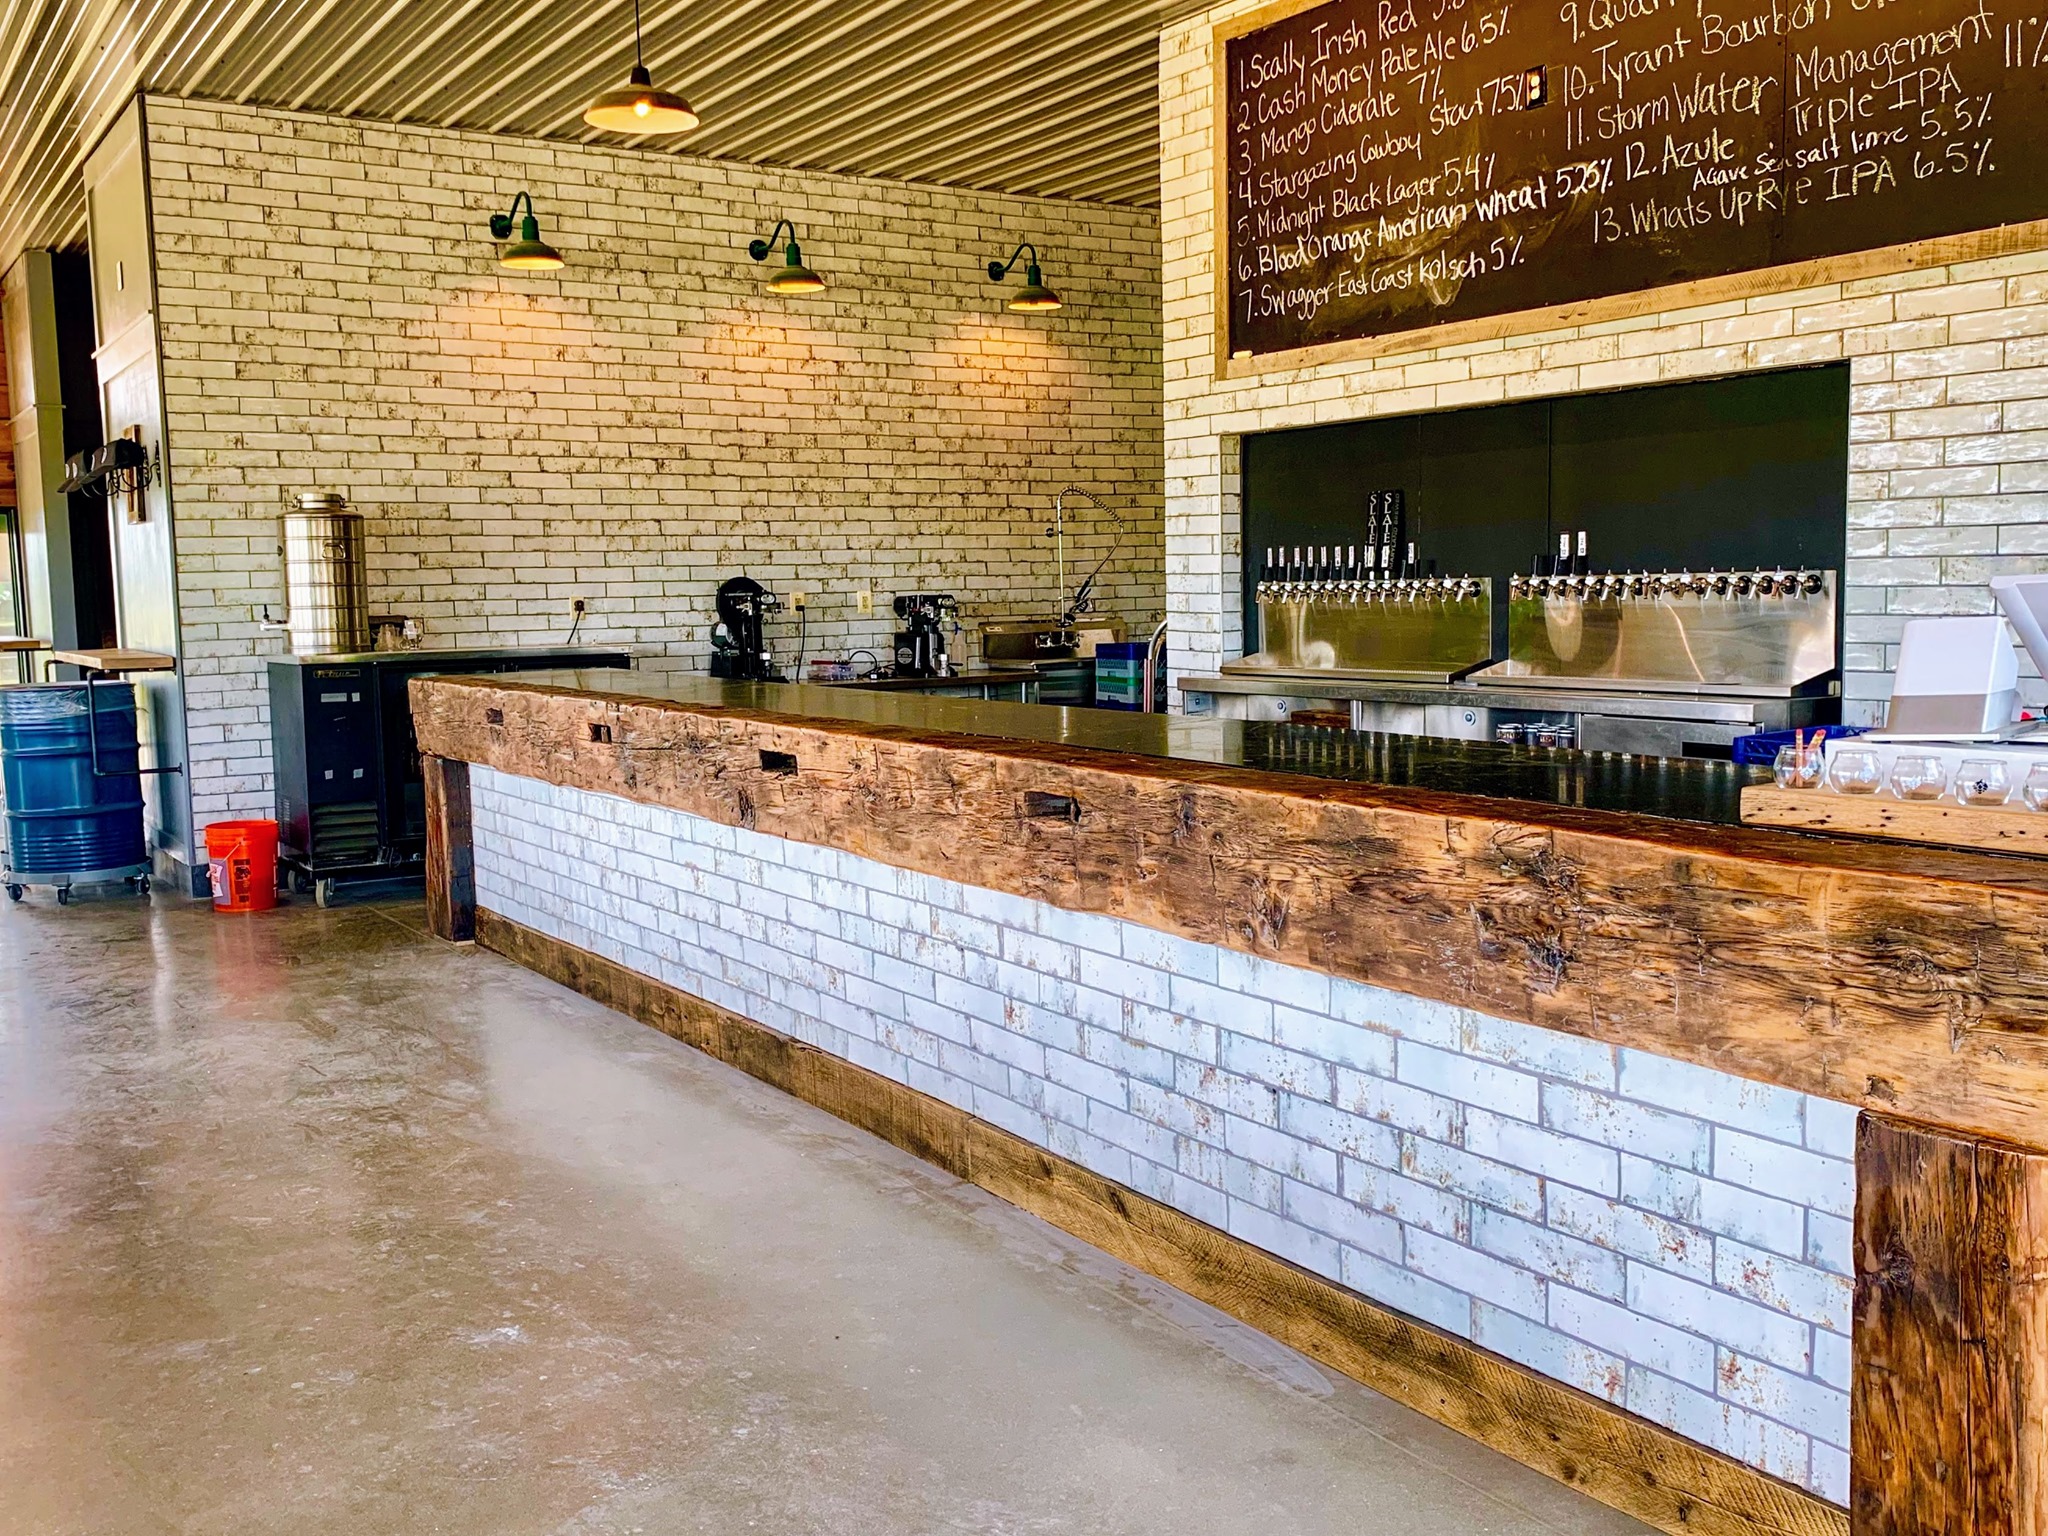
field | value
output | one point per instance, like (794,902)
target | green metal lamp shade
(1034,298)
(529,253)
(637,107)
(531,256)
(795,277)
(792,276)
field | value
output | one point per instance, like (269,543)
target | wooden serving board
(1993,829)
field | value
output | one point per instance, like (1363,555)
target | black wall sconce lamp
(1034,298)
(529,253)
(792,276)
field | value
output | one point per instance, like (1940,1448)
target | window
(11,617)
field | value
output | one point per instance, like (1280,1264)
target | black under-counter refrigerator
(350,800)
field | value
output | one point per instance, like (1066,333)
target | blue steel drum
(61,817)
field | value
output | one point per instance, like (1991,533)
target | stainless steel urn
(325,577)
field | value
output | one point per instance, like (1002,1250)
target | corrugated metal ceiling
(1056,98)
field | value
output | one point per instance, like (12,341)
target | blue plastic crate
(1761,749)
(1120,676)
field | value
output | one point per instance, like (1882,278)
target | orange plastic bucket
(242,857)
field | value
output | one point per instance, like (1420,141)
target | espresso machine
(921,644)
(739,641)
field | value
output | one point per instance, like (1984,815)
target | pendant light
(792,276)
(529,253)
(637,107)
(1034,298)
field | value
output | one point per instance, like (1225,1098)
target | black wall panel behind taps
(1742,472)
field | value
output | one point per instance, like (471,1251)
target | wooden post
(451,857)
(1950,1397)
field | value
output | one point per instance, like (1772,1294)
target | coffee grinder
(921,646)
(739,640)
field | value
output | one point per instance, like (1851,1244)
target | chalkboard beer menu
(1394,164)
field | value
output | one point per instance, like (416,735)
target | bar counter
(1683,789)
(1521,1084)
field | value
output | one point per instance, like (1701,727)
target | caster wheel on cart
(16,892)
(141,884)
(323,893)
(63,895)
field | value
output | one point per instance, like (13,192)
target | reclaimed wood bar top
(1596,894)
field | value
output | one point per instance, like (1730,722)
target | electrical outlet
(797,599)
(579,607)
(864,602)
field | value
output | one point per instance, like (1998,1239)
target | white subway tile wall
(1948,456)
(1669,1238)
(643,424)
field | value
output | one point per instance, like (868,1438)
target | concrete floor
(309,1224)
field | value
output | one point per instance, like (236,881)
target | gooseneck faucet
(1058,533)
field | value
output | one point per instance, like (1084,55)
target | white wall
(1669,1238)
(1948,476)
(641,425)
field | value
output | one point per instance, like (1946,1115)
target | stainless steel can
(326,578)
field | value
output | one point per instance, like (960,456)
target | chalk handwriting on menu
(1393,164)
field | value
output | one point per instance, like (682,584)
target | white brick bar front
(1669,1238)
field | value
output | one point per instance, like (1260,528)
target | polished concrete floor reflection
(309,1224)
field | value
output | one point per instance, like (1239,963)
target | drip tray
(1437,679)
(1513,673)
